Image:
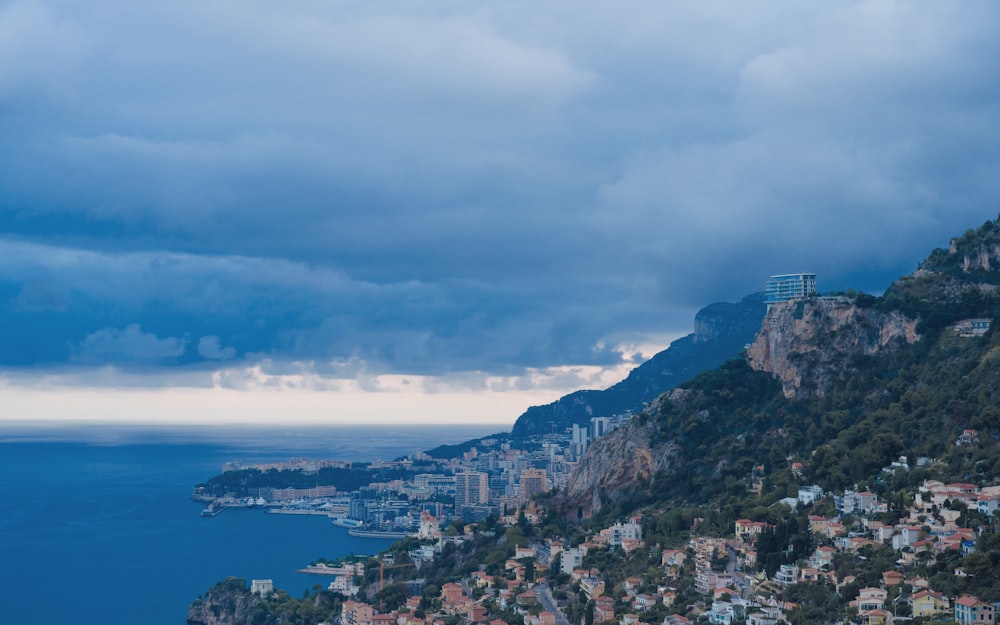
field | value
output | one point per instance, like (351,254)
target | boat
(350,524)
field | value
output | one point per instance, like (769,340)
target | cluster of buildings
(724,570)
(930,527)
(494,477)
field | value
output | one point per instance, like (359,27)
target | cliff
(841,385)
(808,344)
(227,603)
(634,459)
(721,331)
(231,603)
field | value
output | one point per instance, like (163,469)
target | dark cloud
(210,348)
(447,189)
(128,345)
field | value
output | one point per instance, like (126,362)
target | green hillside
(915,400)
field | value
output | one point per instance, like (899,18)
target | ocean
(97,525)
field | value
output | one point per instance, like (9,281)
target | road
(545,597)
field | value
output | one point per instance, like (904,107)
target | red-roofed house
(604,609)
(451,593)
(927,603)
(970,610)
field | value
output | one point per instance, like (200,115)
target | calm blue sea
(97,525)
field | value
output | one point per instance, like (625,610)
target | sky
(449,211)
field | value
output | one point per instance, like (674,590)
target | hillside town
(718,579)
(727,575)
(864,493)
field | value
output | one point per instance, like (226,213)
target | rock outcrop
(703,441)
(227,603)
(613,463)
(808,343)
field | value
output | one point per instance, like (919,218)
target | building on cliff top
(789,286)
(262,587)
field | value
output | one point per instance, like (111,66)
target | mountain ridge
(841,385)
(721,331)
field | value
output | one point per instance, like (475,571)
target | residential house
(907,535)
(592,586)
(877,617)
(835,529)
(969,610)
(852,502)
(644,602)
(749,530)
(356,613)
(817,524)
(892,578)
(823,556)
(870,599)
(525,601)
(629,545)
(722,613)
(524,552)
(928,603)
(451,593)
(809,494)
(632,585)
(604,609)
(672,557)
(809,574)
(988,504)
(766,615)
(787,575)
(572,559)
(620,531)
(482,579)
(476,613)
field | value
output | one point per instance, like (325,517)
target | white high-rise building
(599,426)
(579,440)
(784,287)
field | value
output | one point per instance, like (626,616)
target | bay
(97,525)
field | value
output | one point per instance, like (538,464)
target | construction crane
(381,571)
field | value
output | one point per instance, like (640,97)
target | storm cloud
(452,189)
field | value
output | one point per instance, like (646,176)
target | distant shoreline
(299,511)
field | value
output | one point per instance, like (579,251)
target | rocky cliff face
(689,441)
(721,331)
(227,603)
(809,343)
(613,463)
